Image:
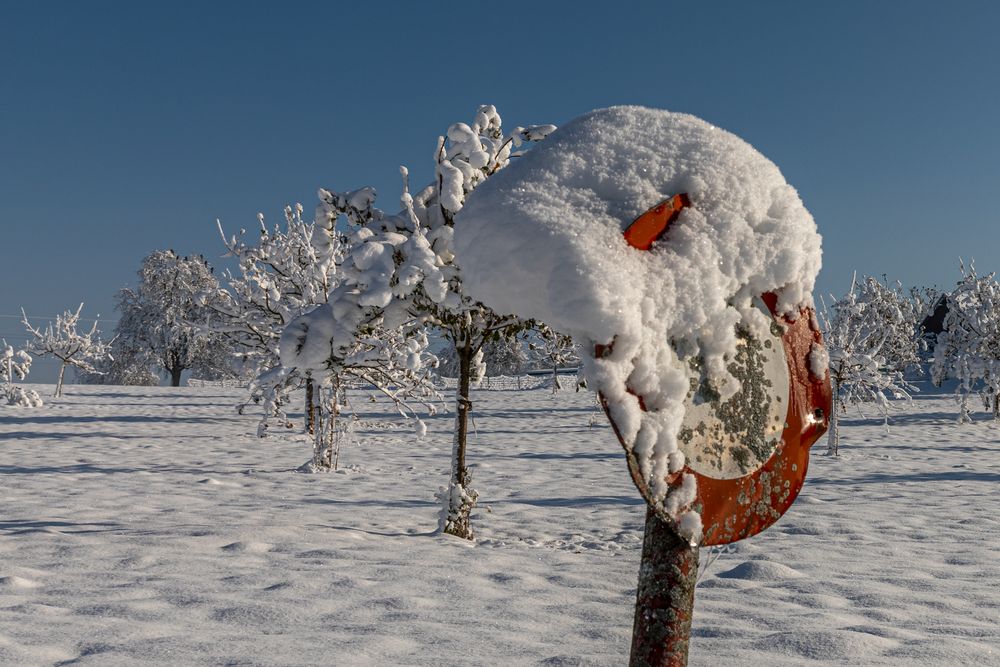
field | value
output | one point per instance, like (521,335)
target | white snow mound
(543,238)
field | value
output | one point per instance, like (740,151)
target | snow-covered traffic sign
(707,356)
(749,453)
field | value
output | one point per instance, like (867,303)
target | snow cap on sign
(543,238)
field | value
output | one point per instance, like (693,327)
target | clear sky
(131,126)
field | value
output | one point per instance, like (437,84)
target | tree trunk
(334,423)
(175,375)
(59,382)
(461,496)
(555,378)
(833,438)
(310,407)
(963,410)
(319,439)
(664,601)
(327,437)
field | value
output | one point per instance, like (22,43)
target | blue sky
(126,127)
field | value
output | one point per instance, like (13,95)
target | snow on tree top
(543,239)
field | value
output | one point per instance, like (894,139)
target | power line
(45,318)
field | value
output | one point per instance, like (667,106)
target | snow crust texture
(543,239)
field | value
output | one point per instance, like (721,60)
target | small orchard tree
(870,337)
(13,364)
(61,340)
(393,359)
(286,273)
(16,365)
(162,321)
(554,350)
(502,356)
(466,157)
(357,336)
(126,365)
(447,362)
(404,266)
(900,312)
(506,355)
(968,348)
(448,365)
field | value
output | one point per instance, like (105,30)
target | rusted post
(664,602)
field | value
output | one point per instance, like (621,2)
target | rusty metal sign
(750,452)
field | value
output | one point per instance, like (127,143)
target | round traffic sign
(749,452)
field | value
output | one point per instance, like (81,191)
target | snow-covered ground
(149,526)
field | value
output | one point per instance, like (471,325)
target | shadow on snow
(21,526)
(124,419)
(943,476)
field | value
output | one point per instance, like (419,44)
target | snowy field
(148,526)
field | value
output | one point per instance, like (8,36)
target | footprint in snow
(17,583)
(209,481)
(248,547)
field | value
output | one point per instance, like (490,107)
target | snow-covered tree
(447,361)
(554,350)
(330,344)
(402,269)
(870,340)
(352,339)
(466,157)
(503,356)
(283,275)
(163,320)
(16,365)
(61,340)
(124,366)
(968,349)
(13,364)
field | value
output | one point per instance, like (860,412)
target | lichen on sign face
(726,439)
